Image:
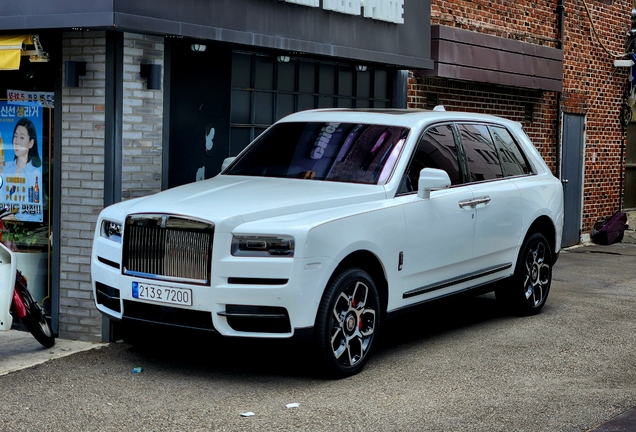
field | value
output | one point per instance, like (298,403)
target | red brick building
(576,127)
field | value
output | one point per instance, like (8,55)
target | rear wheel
(527,290)
(348,322)
(35,321)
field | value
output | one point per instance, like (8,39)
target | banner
(20,159)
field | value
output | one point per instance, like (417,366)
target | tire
(348,322)
(35,321)
(527,290)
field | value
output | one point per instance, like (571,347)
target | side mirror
(227,162)
(431,178)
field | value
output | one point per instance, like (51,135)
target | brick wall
(591,84)
(524,20)
(83,162)
(82,184)
(143,118)
(535,110)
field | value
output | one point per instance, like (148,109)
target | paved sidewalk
(20,350)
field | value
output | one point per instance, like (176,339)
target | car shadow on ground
(439,317)
(203,352)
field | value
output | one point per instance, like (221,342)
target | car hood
(231,200)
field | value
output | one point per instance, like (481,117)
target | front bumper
(247,297)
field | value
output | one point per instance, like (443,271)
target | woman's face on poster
(21,141)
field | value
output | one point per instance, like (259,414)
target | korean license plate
(164,294)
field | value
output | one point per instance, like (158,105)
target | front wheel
(527,290)
(348,321)
(35,321)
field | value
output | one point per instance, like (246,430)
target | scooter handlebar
(5,211)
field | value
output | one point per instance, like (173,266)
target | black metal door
(629,197)
(199,110)
(572,177)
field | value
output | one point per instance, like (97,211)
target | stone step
(630,232)
(629,236)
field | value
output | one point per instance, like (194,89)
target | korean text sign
(20,159)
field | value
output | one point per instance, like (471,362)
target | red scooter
(16,300)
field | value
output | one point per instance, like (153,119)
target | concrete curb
(19,350)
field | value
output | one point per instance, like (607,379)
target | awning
(13,47)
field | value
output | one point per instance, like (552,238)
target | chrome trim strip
(109,297)
(256,281)
(455,281)
(163,278)
(249,315)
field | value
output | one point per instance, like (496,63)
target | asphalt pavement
(460,366)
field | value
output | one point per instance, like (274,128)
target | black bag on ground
(611,230)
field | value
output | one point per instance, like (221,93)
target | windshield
(341,152)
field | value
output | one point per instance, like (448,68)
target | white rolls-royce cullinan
(333,220)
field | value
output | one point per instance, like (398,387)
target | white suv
(333,220)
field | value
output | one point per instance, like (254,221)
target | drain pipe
(559,137)
(560,11)
(622,170)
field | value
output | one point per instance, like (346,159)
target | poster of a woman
(21,175)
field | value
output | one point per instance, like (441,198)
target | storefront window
(265,89)
(25,155)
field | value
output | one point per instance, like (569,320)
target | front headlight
(263,246)
(111,230)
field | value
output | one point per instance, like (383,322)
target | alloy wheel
(353,324)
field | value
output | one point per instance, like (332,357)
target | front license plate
(164,294)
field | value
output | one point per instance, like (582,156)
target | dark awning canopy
(464,55)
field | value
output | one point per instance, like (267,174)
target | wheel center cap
(350,323)
(535,272)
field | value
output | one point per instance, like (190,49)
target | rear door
(497,201)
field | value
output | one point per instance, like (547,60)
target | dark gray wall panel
(259,23)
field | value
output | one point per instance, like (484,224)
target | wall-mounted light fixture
(74,69)
(283,59)
(198,47)
(361,68)
(152,72)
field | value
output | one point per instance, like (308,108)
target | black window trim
(461,157)
(464,168)
(489,125)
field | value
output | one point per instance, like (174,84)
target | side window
(483,161)
(436,149)
(513,161)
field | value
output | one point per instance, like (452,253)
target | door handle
(482,200)
(473,203)
(565,181)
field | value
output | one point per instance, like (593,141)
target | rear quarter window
(513,161)
(483,161)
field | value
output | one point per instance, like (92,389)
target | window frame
(461,157)
(489,126)
(529,166)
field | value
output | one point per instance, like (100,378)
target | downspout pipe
(560,11)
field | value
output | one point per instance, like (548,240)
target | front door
(440,230)
(572,177)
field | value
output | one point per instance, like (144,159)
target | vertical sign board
(21,159)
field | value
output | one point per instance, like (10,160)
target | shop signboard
(20,159)
(396,33)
